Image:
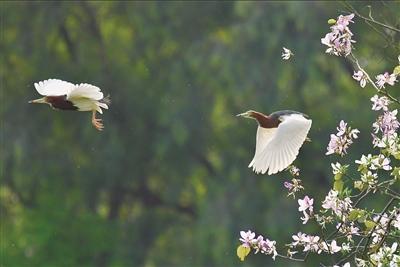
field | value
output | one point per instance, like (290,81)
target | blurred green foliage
(167,183)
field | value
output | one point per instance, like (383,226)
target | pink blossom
(379,103)
(330,200)
(260,244)
(365,160)
(328,41)
(342,140)
(353,229)
(306,217)
(257,243)
(396,221)
(388,142)
(338,168)
(339,40)
(348,229)
(338,206)
(381,79)
(294,186)
(334,248)
(387,123)
(381,162)
(268,247)
(361,77)
(342,22)
(335,145)
(247,238)
(306,204)
(288,185)
(312,244)
(298,239)
(309,242)
(382,224)
(341,128)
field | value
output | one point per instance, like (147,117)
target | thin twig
(370,19)
(291,258)
(378,222)
(384,236)
(355,205)
(345,258)
(380,91)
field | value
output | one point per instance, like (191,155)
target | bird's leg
(97,122)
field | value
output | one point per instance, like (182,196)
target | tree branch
(378,221)
(370,19)
(380,91)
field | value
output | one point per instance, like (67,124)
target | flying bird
(279,138)
(62,95)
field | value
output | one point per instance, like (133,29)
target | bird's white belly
(85,104)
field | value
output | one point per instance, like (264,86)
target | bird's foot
(97,123)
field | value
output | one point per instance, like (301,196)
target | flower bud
(359,185)
(331,21)
(396,70)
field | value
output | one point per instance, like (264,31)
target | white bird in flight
(64,95)
(279,138)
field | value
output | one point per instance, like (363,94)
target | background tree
(167,182)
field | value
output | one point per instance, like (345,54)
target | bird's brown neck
(60,102)
(264,120)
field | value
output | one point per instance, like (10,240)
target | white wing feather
(84,96)
(85,90)
(279,149)
(263,136)
(54,87)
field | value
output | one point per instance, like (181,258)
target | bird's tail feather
(106,100)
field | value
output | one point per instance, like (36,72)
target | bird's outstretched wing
(263,137)
(54,87)
(280,149)
(85,90)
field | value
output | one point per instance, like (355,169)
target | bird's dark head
(250,114)
(42,100)
(262,119)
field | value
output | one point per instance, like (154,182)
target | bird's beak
(244,115)
(38,101)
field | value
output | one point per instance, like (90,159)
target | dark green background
(167,183)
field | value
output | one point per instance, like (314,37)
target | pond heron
(279,138)
(62,95)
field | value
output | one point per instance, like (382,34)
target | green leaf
(338,176)
(369,224)
(353,215)
(362,168)
(242,252)
(362,218)
(396,70)
(331,21)
(338,185)
(396,172)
